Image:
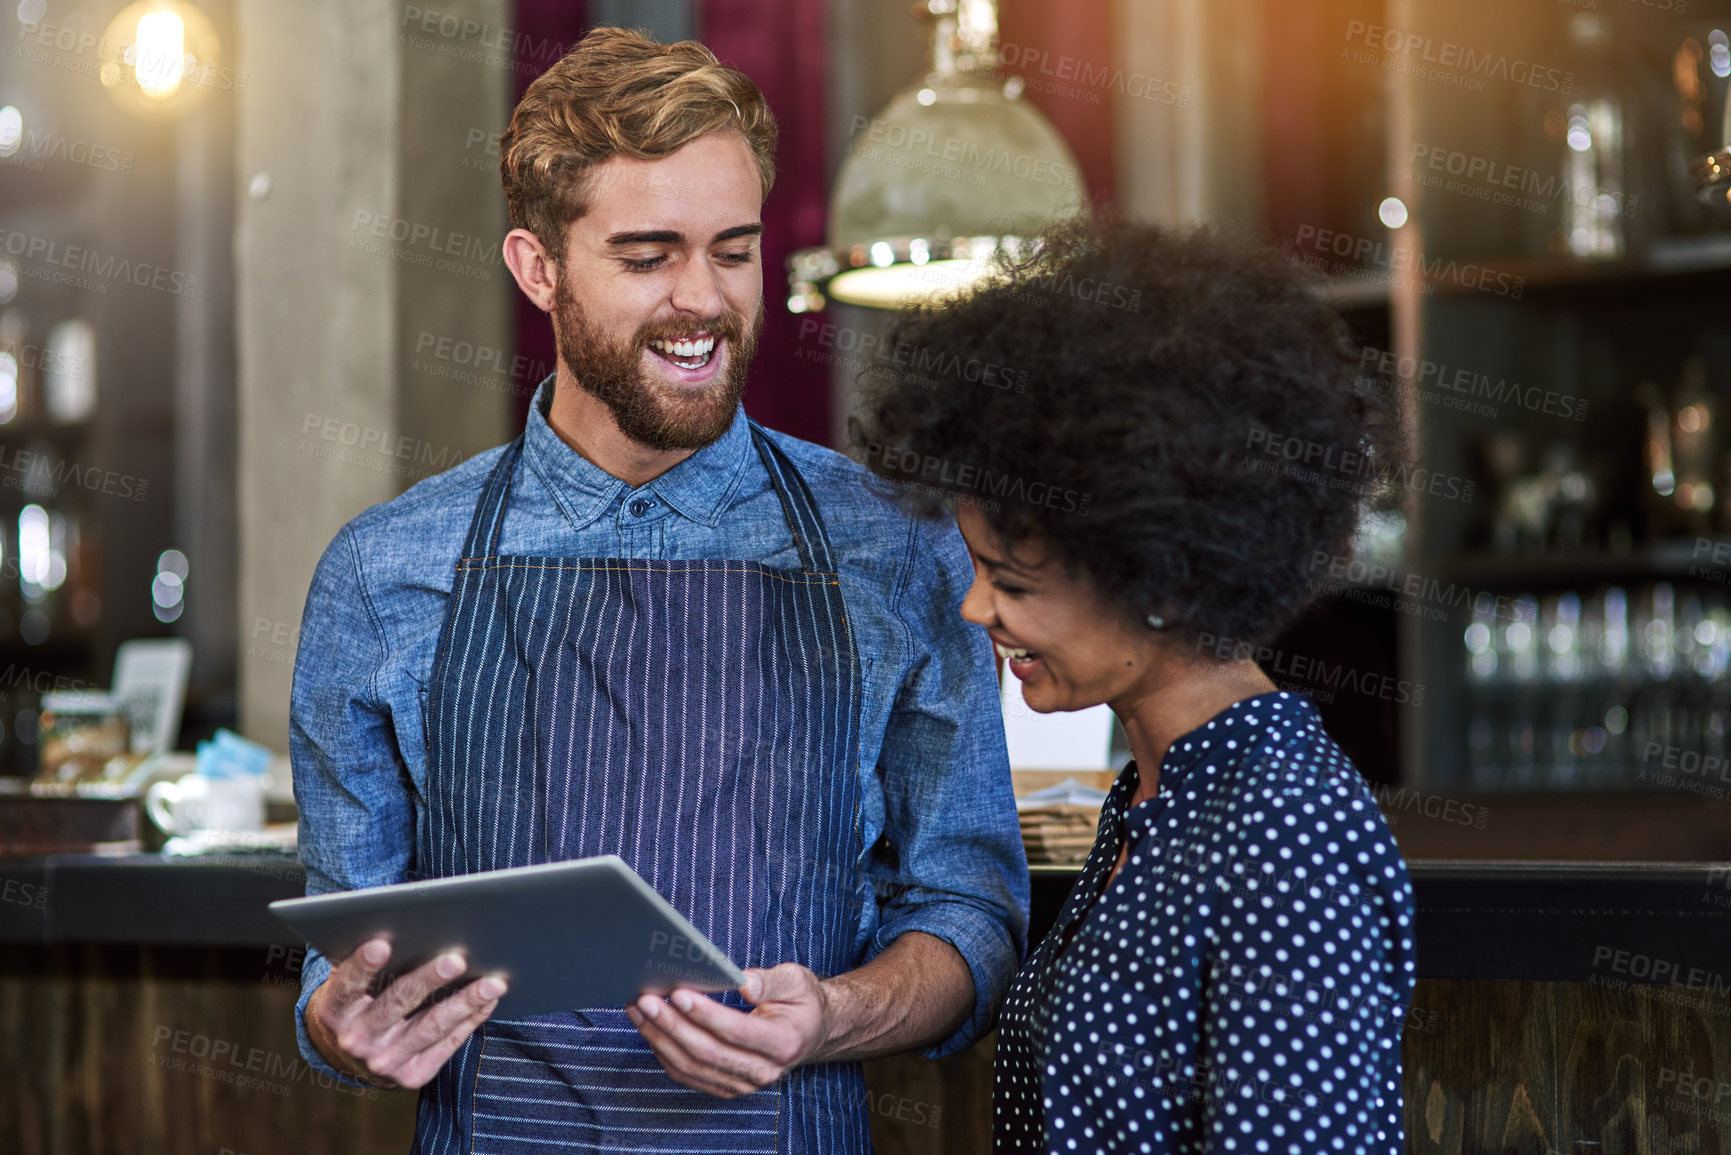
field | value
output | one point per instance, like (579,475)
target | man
(650,628)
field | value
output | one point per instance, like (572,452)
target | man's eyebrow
(752,230)
(674,237)
(648,237)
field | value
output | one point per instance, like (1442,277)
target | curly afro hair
(1174,414)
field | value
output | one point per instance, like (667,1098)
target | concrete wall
(356,118)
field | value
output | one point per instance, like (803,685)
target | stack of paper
(1059,832)
(1059,822)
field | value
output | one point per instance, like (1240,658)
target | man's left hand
(718,1050)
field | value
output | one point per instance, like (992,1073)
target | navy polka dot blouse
(1241,985)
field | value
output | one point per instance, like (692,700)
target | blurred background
(250,284)
(251,292)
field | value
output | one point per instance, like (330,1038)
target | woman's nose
(977,604)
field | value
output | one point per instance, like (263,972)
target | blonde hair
(619,93)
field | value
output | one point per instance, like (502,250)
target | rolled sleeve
(356,811)
(950,863)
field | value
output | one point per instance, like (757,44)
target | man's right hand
(374,1038)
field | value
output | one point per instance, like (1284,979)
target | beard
(658,416)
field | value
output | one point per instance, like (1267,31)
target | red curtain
(780,45)
(1057,47)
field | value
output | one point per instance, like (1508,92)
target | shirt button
(640,507)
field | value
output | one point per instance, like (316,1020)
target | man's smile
(689,360)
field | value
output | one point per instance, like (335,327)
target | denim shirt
(934,771)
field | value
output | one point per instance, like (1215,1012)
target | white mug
(200,802)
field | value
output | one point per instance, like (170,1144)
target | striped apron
(697,718)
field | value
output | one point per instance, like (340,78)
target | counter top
(1665,923)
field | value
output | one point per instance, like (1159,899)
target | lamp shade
(957,168)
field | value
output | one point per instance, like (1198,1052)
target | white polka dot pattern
(1241,985)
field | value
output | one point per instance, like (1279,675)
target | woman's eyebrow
(997,563)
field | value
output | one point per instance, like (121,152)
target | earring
(1156,622)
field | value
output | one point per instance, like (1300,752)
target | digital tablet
(564,935)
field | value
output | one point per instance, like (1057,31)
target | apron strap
(488,522)
(797,505)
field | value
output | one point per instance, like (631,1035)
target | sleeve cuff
(314,972)
(984,944)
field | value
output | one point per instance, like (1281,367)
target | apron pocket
(583,1078)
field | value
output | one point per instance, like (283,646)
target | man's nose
(697,290)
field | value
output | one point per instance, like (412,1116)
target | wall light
(159,56)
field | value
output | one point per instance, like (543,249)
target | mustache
(727,326)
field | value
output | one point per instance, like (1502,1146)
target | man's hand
(716,1049)
(380,1040)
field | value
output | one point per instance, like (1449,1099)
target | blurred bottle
(1693,437)
(1560,625)
(1595,166)
(1520,652)
(1485,705)
(1694,124)
(20,368)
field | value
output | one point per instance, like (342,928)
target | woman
(1232,969)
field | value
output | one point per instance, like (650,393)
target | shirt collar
(1224,739)
(697,488)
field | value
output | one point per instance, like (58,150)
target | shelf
(1368,292)
(1672,257)
(1706,559)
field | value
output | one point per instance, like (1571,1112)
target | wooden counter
(1560,1006)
